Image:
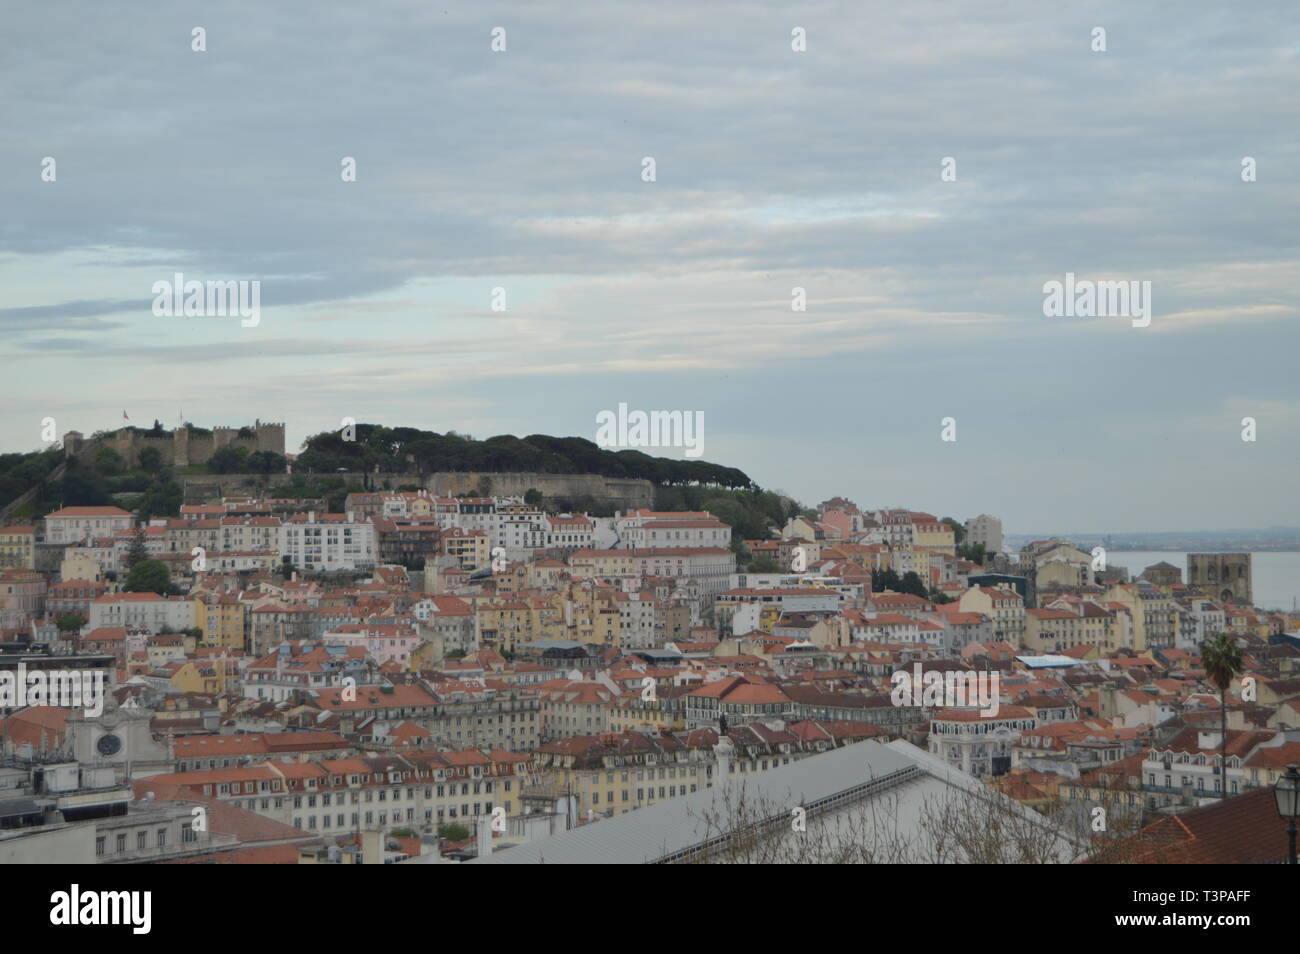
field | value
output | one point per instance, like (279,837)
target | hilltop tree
(265,462)
(84,487)
(151,460)
(410,450)
(108,462)
(228,460)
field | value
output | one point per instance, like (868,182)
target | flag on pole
(124,417)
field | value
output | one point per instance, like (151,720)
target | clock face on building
(109,744)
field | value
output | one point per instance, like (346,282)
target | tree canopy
(401,450)
(149,576)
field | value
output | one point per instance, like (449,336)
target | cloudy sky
(774,169)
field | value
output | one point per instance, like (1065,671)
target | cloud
(775,169)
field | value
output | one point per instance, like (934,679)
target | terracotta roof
(1243,829)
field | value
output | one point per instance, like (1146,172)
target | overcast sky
(774,169)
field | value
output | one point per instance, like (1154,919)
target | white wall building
(75,524)
(146,610)
(322,543)
(986,530)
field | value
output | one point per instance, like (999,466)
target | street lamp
(1287,792)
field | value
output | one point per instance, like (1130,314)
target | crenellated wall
(182,447)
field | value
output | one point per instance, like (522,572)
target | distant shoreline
(1204,550)
(1127,548)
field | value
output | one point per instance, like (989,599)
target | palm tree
(1221,658)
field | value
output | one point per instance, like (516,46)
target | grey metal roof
(1049,661)
(649,834)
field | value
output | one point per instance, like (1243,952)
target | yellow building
(632,711)
(1062,573)
(206,674)
(1001,605)
(472,548)
(1154,614)
(934,536)
(224,620)
(604,564)
(1054,630)
(505,623)
(419,505)
(611,775)
(904,559)
(18,549)
(591,614)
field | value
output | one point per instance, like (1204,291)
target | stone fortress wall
(182,447)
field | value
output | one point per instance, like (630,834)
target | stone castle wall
(618,493)
(183,447)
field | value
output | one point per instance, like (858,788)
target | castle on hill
(186,446)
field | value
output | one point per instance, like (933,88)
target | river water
(1275,574)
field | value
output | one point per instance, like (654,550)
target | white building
(637,620)
(75,524)
(639,533)
(570,531)
(323,543)
(146,610)
(978,745)
(986,530)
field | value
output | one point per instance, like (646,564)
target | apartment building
(147,611)
(17,548)
(611,773)
(419,789)
(1004,608)
(643,533)
(985,530)
(979,745)
(329,542)
(76,524)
